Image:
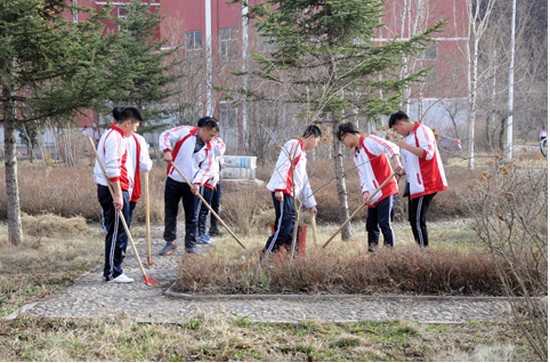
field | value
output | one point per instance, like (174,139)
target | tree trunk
(15,227)
(341,182)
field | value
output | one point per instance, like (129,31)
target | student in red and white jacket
(190,149)
(424,170)
(113,153)
(372,159)
(138,159)
(211,191)
(290,179)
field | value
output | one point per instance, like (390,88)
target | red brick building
(215,30)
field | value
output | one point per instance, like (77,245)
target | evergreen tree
(143,68)
(50,68)
(327,58)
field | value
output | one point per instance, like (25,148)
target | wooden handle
(147,218)
(359,209)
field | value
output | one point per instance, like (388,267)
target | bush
(511,206)
(407,270)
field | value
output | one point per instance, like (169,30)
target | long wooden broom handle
(359,209)
(147,218)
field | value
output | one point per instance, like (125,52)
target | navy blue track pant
(380,218)
(116,239)
(284,224)
(174,192)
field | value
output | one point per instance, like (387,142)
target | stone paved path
(90,297)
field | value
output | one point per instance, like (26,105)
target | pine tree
(143,68)
(51,68)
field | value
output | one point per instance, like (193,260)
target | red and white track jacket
(425,175)
(138,159)
(290,171)
(372,161)
(218,149)
(196,166)
(112,152)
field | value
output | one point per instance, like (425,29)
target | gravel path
(90,297)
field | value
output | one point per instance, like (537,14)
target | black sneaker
(215,232)
(168,249)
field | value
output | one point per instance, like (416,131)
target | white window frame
(196,34)
(228,43)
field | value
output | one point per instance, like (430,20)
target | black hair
(117,111)
(121,114)
(397,116)
(312,130)
(202,120)
(209,123)
(346,128)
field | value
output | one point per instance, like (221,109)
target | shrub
(406,270)
(511,206)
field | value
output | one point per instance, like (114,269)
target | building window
(228,115)
(122,13)
(193,40)
(228,44)
(430,53)
(228,124)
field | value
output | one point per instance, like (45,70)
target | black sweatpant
(116,239)
(207,194)
(380,218)
(174,192)
(284,224)
(216,202)
(418,210)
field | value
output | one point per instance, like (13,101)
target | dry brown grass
(404,270)
(51,225)
(54,252)
(70,192)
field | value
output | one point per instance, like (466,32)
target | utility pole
(208,36)
(75,13)
(244,18)
(510,121)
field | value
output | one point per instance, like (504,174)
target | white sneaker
(122,278)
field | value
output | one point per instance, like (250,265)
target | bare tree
(478,16)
